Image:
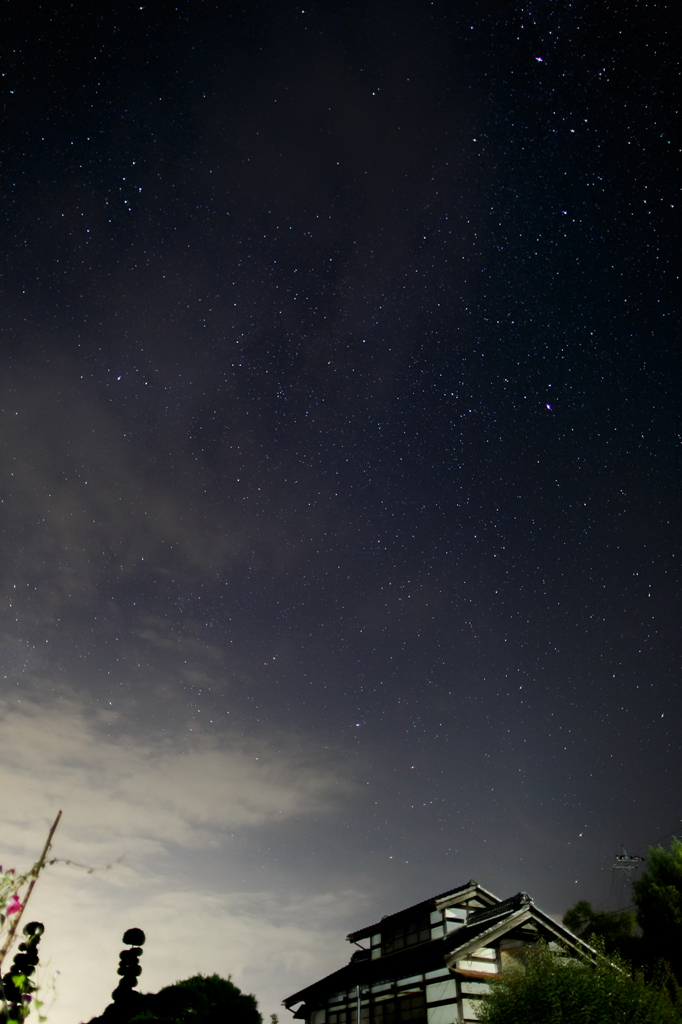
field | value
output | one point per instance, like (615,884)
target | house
(430,963)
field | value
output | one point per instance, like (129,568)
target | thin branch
(86,867)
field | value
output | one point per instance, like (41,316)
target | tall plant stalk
(35,872)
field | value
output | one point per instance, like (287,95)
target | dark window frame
(398,1009)
(410,933)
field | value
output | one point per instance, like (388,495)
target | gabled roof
(487,926)
(400,964)
(451,896)
(484,927)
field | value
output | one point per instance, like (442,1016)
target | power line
(668,836)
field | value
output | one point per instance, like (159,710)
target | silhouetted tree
(658,898)
(126,1002)
(199,1000)
(129,964)
(615,929)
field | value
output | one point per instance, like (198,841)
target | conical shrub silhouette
(129,964)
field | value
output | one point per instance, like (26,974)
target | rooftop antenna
(624,862)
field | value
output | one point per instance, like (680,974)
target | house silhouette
(430,963)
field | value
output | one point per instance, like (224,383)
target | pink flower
(13,905)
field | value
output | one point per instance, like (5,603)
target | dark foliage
(199,1000)
(615,930)
(18,984)
(612,928)
(658,897)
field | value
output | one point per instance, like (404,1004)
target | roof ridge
(472,883)
(521,899)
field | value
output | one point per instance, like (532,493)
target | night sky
(340,469)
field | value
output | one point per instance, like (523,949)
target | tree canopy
(200,1000)
(584,922)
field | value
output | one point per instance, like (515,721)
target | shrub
(549,989)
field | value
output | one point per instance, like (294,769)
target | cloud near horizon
(159,790)
(270,945)
(167,805)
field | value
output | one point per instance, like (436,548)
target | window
(342,1017)
(403,1010)
(349,1014)
(408,934)
(400,1011)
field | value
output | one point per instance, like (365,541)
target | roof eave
(402,963)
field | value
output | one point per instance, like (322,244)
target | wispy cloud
(154,790)
(82,501)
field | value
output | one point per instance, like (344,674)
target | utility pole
(626,863)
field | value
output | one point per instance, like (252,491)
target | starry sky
(340,509)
